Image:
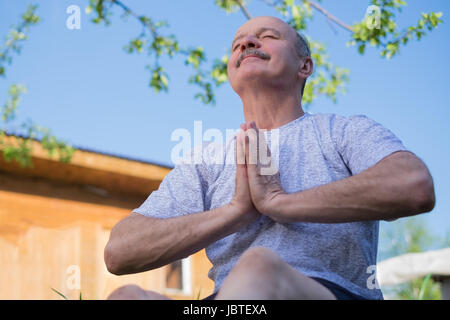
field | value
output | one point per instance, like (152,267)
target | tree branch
(244,10)
(318,8)
(144,22)
(328,15)
(331,26)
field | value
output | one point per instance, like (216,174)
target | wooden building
(55,220)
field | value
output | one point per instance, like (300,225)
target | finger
(246,148)
(260,134)
(252,125)
(241,179)
(251,147)
(240,153)
(264,154)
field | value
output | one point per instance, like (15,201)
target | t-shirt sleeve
(181,192)
(362,142)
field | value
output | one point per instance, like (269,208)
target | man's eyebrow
(261,30)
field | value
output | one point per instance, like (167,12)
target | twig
(331,26)
(270,3)
(143,21)
(318,8)
(21,28)
(328,15)
(244,10)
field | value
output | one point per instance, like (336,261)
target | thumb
(241,168)
(240,151)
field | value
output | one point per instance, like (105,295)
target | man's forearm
(396,187)
(138,243)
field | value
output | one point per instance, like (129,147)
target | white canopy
(413,265)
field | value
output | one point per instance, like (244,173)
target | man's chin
(252,80)
(251,72)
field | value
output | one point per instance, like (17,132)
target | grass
(198,295)
(63,296)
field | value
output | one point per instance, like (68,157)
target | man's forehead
(264,22)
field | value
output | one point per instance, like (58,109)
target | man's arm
(139,243)
(397,186)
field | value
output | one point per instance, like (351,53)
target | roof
(87,149)
(109,172)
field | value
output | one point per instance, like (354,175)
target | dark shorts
(340,292)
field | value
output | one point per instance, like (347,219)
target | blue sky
(88,91)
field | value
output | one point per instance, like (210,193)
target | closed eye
(264,36)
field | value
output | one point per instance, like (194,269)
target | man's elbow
(422,191)
(112,260)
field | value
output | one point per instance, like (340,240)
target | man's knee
(127,292)
(134,292)
(260,261)
(263,270)
(259,269)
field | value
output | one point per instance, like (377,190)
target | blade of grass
(59,293)
(423,287)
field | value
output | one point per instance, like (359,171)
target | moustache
(252,52)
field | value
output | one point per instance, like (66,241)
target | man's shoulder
(338,122)
(337,117)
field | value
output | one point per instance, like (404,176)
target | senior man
(309,230)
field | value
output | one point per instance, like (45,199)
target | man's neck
(271,110)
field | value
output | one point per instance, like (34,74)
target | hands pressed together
(258,187)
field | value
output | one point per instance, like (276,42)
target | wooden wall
(48,229)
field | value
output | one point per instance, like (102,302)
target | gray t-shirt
(312,150)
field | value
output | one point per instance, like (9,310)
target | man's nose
(250,42)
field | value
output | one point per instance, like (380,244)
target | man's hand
(241,203)
(263,178)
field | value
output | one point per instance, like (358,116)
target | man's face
(263,49)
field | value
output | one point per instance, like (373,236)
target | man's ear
(306,67)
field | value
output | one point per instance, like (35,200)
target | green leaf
(361,48)
(164,80)
(228,5)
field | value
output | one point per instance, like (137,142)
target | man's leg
(134,292)
(261,274)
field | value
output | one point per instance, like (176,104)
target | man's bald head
(273,41)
